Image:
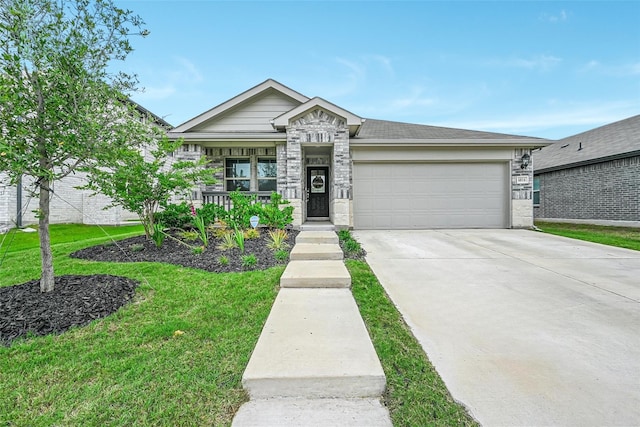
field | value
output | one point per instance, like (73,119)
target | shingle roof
(614,140)
(387,130)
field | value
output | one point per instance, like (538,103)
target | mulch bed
(177,251)
(77,300)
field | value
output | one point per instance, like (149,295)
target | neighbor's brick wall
(606,191)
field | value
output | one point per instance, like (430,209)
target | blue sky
(538,68)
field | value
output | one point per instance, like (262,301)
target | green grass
(623,237)
(416,395)
(132,368)
(129,368)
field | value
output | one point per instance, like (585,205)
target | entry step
(316,274)
(313,412)
(316,251)
(317,237)
(314,345)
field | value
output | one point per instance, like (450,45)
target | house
(333,165)
(68,204)
(592,176)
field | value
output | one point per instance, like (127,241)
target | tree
(60,107)
(143,185)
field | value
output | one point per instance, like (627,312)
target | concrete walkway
(525,328)
(314,364)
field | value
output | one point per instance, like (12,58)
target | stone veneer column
(521,191)
(341,179)
(293,187)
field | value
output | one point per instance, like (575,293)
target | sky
(537,68)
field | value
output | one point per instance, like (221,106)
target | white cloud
(540,62)
(537,123)
(619,70)
(554,18)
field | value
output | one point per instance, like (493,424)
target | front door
(318,192)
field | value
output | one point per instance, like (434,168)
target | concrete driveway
(525,328)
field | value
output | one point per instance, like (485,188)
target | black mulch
(75,301)
(179,252)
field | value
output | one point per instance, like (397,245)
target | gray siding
(253,117)
(605,191)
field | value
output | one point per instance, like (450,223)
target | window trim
(269,178)
(253,178)
(536,179)
(227,179)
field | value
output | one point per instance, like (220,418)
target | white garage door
(430,195)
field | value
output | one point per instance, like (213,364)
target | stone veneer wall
(319,127)
(601,191)
(521,191)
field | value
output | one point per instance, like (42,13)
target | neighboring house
(594,175)
(369,174)
(68,204)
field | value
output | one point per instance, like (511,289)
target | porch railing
(221,198)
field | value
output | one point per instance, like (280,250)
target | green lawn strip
(130,368)
(623,237)
(416,395)
(16,240)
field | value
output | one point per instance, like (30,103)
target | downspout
(19,203)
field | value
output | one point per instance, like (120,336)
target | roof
(377,132)
(615,140)
(157,119)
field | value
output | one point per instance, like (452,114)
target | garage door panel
(430,195)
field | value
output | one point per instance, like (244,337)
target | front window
(267,174)
(237,174)
(536,191)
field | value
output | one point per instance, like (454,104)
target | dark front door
(318,192)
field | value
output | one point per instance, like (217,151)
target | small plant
(219,229)
(281,255)
(278,239)
(228,242)
(238,235)
(251,233)
(249,261)
(158,234)
(223,260)
(352,246)
(197,250)
(202,230)
(136,247)
(189,236)
(344,235)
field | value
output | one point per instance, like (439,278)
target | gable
(253,115)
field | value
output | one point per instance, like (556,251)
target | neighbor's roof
(615,140)
(376,132)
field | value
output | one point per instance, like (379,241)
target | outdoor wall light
(525,161)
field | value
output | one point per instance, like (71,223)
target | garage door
(430,195)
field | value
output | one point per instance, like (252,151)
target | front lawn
(623,237)
(175,355)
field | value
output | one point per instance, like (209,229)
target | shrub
(352,246)
(238,236)
(275,217)
(137,247)
(189,236)
(209,213)
(197,250)
(223,260)
(175,216)
(202,230)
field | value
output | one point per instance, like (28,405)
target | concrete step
(313,412)
(316,274)
(314,345)
(317,237)
(317,226)
(315,251)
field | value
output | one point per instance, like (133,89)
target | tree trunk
(47,278)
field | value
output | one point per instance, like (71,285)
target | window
(267,174)
(237,174)
(536,191)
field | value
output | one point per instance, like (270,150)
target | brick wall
(606,191)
